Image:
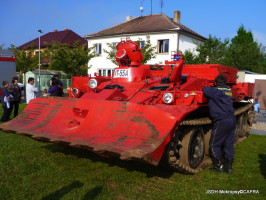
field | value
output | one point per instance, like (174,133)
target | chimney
(66,29)
(177,15)
(55,31)
(129,18)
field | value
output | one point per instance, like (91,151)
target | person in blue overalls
(224,122)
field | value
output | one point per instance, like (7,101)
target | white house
(165,33)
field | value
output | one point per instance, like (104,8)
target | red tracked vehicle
(151,113)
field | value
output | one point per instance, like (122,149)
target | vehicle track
(175,145)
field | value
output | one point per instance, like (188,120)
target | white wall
(184,43)
(188,43)
(252,77)
(241,76)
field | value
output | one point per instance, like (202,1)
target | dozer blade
(126,129)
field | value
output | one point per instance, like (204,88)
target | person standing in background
(5,100)
(60,84)
(15,90)
(256,109)
(55,89)
(30,90)
(45,93)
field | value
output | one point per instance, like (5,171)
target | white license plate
(121,73)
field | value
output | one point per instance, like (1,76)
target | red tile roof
(66,36)
(145,24)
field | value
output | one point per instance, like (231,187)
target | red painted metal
(125,115)
(128,53)
(8,59)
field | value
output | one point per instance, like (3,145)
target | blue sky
(21,19)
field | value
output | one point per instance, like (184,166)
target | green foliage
(213,50)
(25,60)
(72,60)
(2,46)
(190,58)
(262,67)
(111,53)
(148,52)
(241,52)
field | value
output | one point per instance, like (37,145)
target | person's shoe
(217,166)
(228,165)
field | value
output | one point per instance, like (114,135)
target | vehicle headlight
(168,98)
(75,91)
(92,83)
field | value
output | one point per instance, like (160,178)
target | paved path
(260,127)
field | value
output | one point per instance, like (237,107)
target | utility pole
(141,7)
(161,6)
(39,88)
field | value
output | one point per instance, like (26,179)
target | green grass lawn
(33,170)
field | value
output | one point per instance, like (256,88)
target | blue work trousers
(6,114)
(223,138)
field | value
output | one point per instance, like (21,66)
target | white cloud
(260,37)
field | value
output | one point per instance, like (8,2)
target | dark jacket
(220,102)
(4,94)
(60,83)
(55,91)
(15,90)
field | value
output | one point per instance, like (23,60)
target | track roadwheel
(192,147)
(238,129)
(185,152)
(243,125)
(207,137)
(251,116)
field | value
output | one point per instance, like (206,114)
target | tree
(72,60)
(2,46)
(213,50)
(190,57)
(241,52)
(148,52)
(244,53)
(25,60)
(262,67)
(111,53)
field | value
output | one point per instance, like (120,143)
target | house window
(105,72)
(98,48)
(37,52)
(114,44)
(141,44)
(163,46)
